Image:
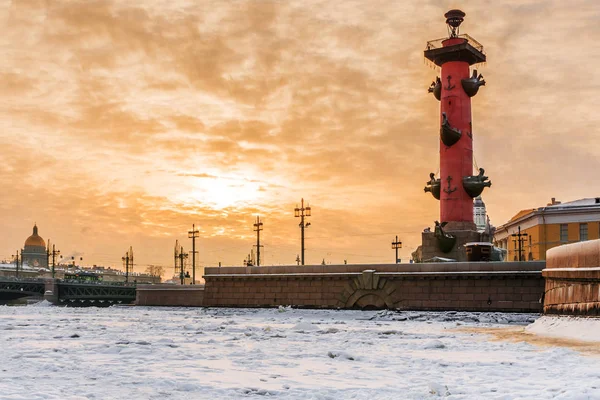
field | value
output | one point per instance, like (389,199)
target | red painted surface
(456,161)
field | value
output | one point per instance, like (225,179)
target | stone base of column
(460,226)
(430,246)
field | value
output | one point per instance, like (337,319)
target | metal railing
(22,287)
(98,283)
(437,43)
(25,280)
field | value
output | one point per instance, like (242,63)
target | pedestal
(430,247)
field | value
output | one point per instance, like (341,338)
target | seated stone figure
(433,186)
(436,88)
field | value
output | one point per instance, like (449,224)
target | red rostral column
(456,186)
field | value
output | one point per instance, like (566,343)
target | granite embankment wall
(572,277)
(490,286)
(170,295)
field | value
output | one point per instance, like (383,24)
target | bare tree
(155,270)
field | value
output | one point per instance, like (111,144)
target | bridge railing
(23,280)
(27,287)
(98,283)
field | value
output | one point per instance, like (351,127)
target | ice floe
(177,353)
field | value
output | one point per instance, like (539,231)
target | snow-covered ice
(576,328)
(176,353)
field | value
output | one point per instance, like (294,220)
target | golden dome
(35,239)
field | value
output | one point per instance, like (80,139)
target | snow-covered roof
(582,210)
(521,213)
(24,267)
(592,201)
(587,202)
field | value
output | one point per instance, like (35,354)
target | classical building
(546,227)
(34,251)
(479,214)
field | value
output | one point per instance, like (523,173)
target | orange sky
(122,123)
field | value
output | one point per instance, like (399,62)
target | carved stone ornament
(472,84)
(436,88)
(445,240)
(475,184)
(433,186)
(448,134)
(369,290)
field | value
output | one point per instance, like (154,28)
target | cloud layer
(124,123)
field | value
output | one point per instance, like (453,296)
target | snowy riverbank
(574,328)
(165,353)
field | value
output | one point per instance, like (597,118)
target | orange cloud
(123,124)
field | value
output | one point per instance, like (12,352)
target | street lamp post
(16,257)
(396,245)
(182,256)
(128,263)
(125,260)
(258,226)
(131,259)
(520,238)
(54,254)
(302,212)
(48,255)
(193,234)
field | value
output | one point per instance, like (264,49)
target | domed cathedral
(34,251)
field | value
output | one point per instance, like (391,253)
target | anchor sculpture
(433,186)
(472,84)
(445,240)
(450,85)
(475,184)
(436,88)
(449,189)
(448,134)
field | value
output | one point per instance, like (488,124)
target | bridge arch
(11,289)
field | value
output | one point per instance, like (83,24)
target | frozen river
(163,353)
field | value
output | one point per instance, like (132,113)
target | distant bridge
(94,294)
(11,289)
(67,293)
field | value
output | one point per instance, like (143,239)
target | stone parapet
(509,287)
(494,286)
(575,255)
(572,277)
(535,266)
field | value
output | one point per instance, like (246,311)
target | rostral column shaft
(456,186)
(456,161)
